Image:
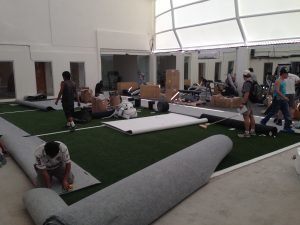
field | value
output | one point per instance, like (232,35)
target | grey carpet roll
(146,195)
(22,150)
(45,198)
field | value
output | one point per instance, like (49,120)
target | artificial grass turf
(12,107)
(110,155)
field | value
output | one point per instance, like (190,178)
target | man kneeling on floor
(53,160)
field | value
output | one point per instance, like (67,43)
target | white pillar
(180,67)
(194,68)
(242,63)
(152,69)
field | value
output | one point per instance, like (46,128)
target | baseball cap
(283,70)
(246,73)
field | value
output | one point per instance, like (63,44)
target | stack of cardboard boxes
(126,85)
(172,83)
(225,102)
(99,105)
(86,95)
(150,92)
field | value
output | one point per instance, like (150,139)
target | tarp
(46,105)
(153,123)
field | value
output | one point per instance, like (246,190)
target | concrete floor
(261,193)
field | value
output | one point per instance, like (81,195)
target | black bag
(256,92)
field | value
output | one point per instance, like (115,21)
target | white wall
(62,31)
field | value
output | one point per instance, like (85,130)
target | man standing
(291,81)
(249,121)
(67,92)
(99,88)
(280,102)
(53,160)
(253,75)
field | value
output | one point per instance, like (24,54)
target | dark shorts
(291,100)
(68,109)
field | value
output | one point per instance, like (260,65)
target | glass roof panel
(250,7)
(166,40)
(162,6)
(213,34)
(202,12)
(163,22)
(272,27)
(177,3)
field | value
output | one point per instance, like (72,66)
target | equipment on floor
(240,112)
(82,115)
(126,110)
(205,126)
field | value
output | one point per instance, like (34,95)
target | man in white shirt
(53,160)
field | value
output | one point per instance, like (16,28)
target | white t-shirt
(291,80)
(43,161)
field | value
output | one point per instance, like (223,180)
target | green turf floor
(110,155)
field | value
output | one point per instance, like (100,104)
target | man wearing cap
(280,102)
(249,121)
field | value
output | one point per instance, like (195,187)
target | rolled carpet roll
(146,195)
(41,203)
(260,129)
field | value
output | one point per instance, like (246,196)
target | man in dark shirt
(99,88)
(67,92)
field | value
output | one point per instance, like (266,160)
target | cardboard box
(235,102)
(115,100)
(99,105)
(172,80)
(86,95)
(217,100)
(150,91)
(126,85)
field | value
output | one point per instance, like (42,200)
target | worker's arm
(65,183)
(60,92)
(46,177)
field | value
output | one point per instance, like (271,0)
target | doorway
(78,73)
(201,72)
(218,71)
(268,67)
(44,78)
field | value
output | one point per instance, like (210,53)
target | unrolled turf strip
(260,129)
